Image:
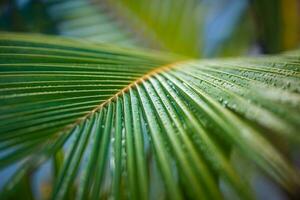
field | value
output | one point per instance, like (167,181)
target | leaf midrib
(133,84)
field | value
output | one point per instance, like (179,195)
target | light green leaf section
(89,20)
(112,110)
(173,25)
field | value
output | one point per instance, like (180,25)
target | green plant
(183,116)
(132,123)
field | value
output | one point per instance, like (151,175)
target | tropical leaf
(120,123)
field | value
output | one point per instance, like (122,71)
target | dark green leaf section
(123,130)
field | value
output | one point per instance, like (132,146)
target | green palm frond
(121,122)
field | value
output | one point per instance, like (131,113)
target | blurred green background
(194,28)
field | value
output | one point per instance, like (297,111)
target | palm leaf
(120,122)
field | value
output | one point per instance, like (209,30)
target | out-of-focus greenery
(196,28)
(278,24)
(25,16)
